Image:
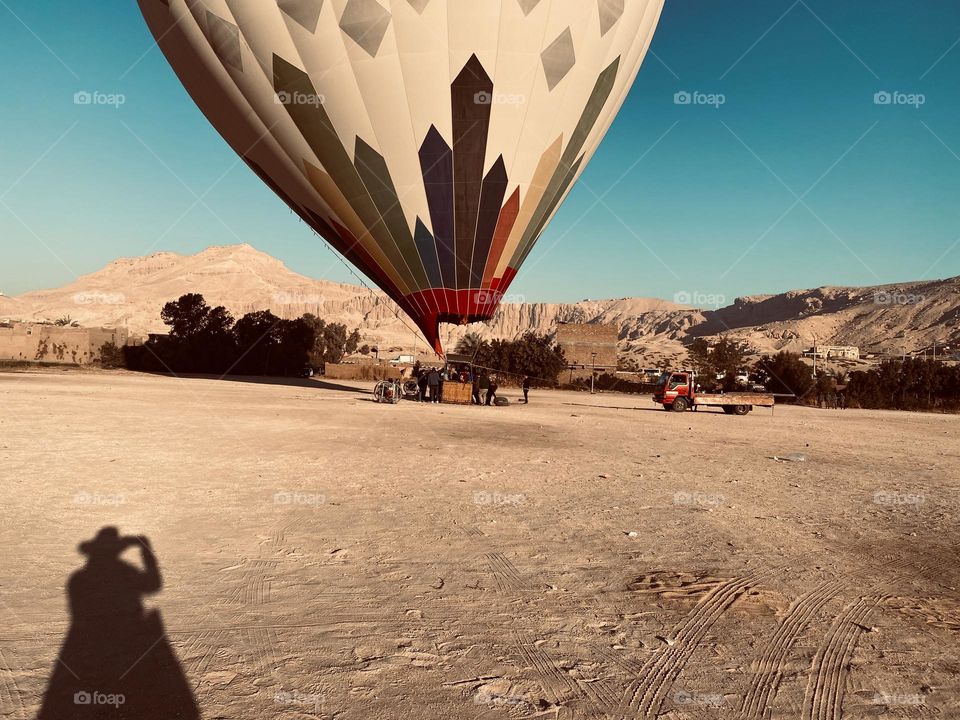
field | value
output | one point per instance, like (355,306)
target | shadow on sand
(310,383)
(116,661)
(616,407)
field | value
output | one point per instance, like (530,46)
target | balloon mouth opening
(431,326)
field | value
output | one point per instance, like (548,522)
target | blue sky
(798,179)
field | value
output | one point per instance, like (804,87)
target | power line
(376,297)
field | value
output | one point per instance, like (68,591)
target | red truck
(677,391)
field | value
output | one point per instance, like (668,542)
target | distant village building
(828,352)
(44,342)
(589,346)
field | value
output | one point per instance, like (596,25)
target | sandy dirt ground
(322,556)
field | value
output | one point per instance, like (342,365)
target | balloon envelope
(429,141)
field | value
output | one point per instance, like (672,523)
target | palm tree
(469,344)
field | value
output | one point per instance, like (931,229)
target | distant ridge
(903,317)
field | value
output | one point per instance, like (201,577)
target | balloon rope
(376,297)
(396,312)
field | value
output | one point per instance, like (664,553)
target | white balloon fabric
(429,141)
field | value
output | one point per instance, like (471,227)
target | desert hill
(905,317)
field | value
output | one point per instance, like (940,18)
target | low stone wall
(351,371)
(36,342)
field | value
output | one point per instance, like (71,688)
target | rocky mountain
(906,317)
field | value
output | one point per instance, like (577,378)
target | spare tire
(501,401)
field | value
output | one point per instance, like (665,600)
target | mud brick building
(581,341)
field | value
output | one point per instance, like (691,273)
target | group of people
(831,400)
(430,382)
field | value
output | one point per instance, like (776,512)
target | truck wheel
(680,405)
(741,409)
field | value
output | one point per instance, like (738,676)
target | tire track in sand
(644,697)
(255,583)
(554,681)
(607,692)
(208,642)
(760,696)
(766,680)
(263,650)
(505,573)
(823,699)
(11,698)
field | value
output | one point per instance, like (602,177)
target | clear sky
(799,179)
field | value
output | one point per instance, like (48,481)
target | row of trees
(204,339)
(536,356)
(911,384)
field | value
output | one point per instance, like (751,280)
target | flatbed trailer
(733,400)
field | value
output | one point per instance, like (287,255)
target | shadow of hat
(107,542)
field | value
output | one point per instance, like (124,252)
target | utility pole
(814,356)
(593,370)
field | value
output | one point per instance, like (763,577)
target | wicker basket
(457,393)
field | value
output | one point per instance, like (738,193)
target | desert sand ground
(323,556)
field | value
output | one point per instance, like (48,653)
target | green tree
(201,338)
(297,339)
(724,358)
(258,335)
(786,373)
(470,344)
(534,355)
(913,384)
(332,341)
(186,316)
(699,354)
(727,357)
(111,356)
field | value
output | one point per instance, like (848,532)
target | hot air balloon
(428,141)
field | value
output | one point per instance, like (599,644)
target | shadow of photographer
(116,661)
